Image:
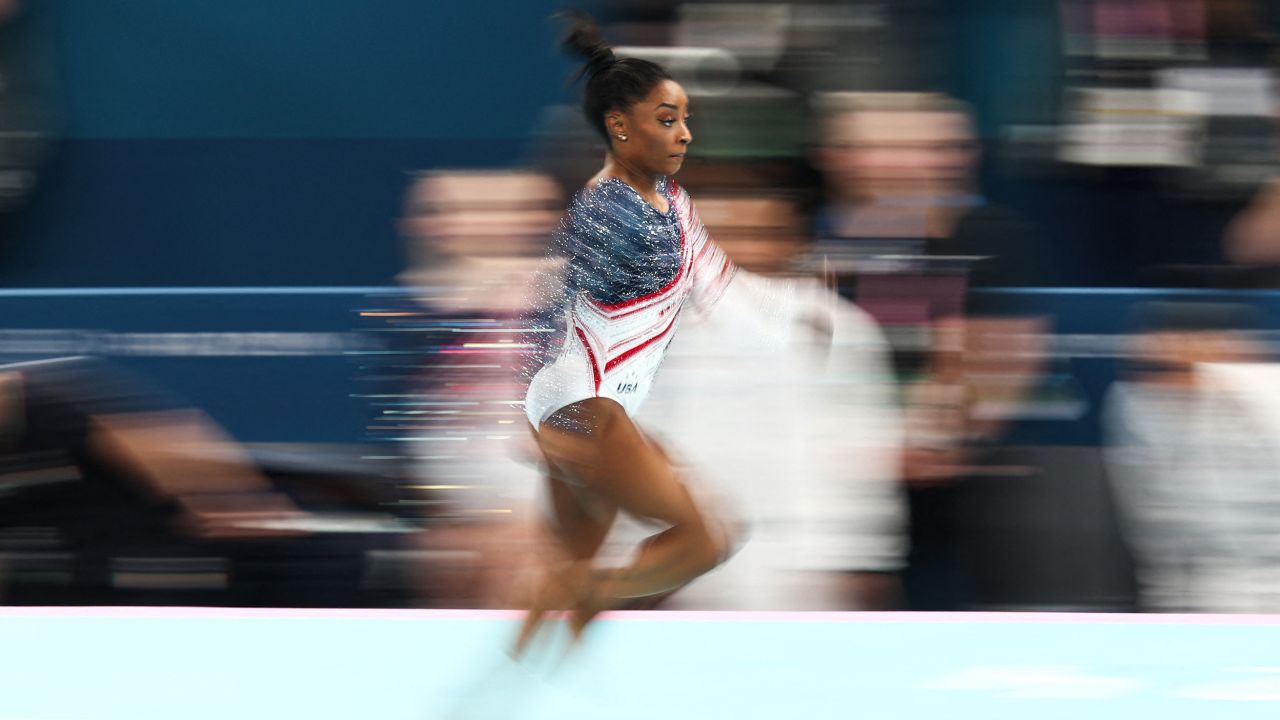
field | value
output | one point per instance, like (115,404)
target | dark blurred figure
(108,486)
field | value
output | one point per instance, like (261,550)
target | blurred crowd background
(266,269)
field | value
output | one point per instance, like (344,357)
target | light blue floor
(407,667)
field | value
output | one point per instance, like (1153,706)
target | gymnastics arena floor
(243,664)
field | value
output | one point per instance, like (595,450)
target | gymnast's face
(656,131)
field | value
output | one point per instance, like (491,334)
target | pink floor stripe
(645,616)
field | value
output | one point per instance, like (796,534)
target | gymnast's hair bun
(582,37)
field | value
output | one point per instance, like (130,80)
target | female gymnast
(637,257)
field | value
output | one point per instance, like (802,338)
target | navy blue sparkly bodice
(618,246)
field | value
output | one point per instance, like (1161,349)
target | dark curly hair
(612,82)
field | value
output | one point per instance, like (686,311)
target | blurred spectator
(899,174)
(95,466)
(905,226)
(1194,461)
(473,237)
(810,460)
(477,247)
(763,233)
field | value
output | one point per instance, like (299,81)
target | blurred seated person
(899,179)
(1193,460)
(477,245)
(810,465)
(905,226)
(96,462)
(95,416)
